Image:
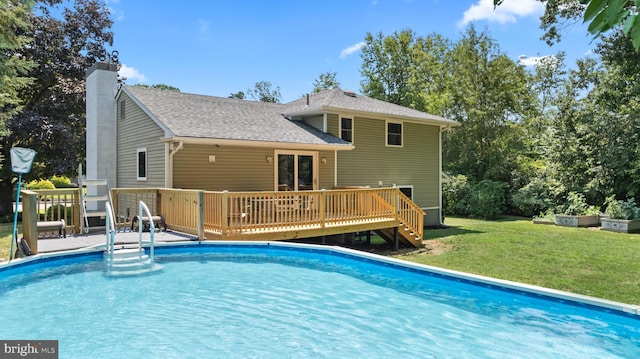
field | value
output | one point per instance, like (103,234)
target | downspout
(441,210)
(174,147)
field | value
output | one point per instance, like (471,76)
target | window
(346,129)
(407,191)
(394,134)
(142,164)
(122,110)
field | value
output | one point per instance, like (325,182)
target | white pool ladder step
(130,261)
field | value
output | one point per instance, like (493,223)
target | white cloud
(131,74)
(536,60)
(351,49)
(509,11)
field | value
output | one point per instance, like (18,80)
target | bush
(487,199)
(576,205)
(57,212)
(622,209)
(40,184)
(540,195)
(455,195)
(61,181)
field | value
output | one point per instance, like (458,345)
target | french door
(296,170)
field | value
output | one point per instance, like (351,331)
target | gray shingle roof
(199,116)
(337,99)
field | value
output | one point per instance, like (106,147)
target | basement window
(142,163)
(407,191)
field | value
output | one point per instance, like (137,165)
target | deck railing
(56,204)
(243,215)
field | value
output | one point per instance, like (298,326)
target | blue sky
(221,47)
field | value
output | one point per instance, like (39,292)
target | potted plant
(623,216)
(577,213)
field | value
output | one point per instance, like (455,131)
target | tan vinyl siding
(326,170)
(416,163)
(137,130)
(235,168)
(315,121)
(333,124)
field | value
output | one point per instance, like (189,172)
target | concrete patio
(92,239)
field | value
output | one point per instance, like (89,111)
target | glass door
(296,171)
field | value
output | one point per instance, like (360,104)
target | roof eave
(436,120)
(259,144)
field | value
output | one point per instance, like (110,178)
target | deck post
(225,212)
(395,237)
(77,215)
(200,208)
(321,209)
(30,220)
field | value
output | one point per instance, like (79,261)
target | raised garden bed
(620,225)
(589,220)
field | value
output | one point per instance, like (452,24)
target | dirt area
(432,247)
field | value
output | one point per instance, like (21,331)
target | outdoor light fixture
(269,158)
(323,160)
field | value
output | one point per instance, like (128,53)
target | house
(336,138)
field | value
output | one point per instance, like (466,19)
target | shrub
(455,195)
(576,205)
(57,212)
(539,195)
(40,184)
(487,199)
(622,209)
(61,181)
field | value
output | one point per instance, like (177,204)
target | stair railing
(143,209)
(111,232)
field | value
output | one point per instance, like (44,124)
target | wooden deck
(267,215)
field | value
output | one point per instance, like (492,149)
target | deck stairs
(92,201)
(405,236)
(130,259)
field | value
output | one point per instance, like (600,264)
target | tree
(387,66)
(13,67)
(603,15)
(325,81)
(263,92)
(491,98)
(238,95)
(53,118)
(160,86)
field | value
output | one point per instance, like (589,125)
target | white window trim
(353,122)
(407,186)
(386,133)
(146,163)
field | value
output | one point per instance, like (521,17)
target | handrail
(110,231)
(145,210)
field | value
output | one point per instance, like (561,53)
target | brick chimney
(101,87)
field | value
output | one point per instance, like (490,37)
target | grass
(579,260)
(5,240)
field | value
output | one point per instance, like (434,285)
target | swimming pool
(273,300)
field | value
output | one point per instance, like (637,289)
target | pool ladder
(129,260)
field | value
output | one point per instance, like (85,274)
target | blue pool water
(283,302)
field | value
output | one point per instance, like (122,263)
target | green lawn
(5,239)
(579,260)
